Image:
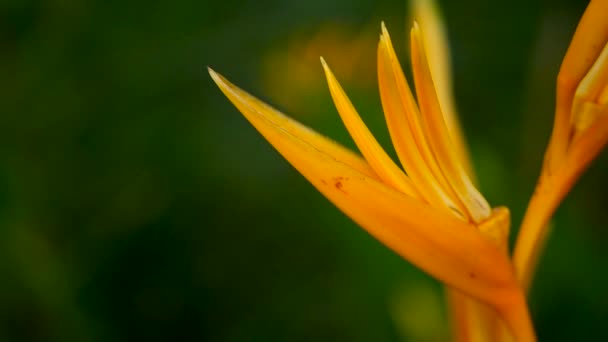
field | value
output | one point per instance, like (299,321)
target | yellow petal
(477,207)
(468,326)
(586,115)
(548,195)
(438,243)
(426,14)
(550,192)
(396,113)
(449,249)
(411,111)
(375,155)
(581,105)
(587,104)
(282,122)
(590,37)
(586,147)
(592,85)
(603,98)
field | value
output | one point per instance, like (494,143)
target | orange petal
(449,249)
(438,243)
(375,155)
(299,131)
(401,134)
(580,132)
(426,13)
(603,98)
(588,104)
(477,207)
(590,37)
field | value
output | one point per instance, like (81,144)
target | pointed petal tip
(217,78)
(415,27)
(326,69)
(223,83)
(416,38)
(384,35)
(323,62)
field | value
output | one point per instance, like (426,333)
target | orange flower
(433,216)
(579,133)
(429,211)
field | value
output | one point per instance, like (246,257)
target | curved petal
(426,13)
(580,132)
(375,155)
(590,37)
(477,207)
(411,111)
(588,105)
(397,113)
(277,120)
(447,248)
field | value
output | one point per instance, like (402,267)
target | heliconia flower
(469,319)
(426,13)
(431,214)
(579,133)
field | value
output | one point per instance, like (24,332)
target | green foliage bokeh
(137,204)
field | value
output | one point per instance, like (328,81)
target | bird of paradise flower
(430,212)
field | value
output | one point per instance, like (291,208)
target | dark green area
(137,204)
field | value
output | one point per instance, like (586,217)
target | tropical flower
(429,211)
(580,132)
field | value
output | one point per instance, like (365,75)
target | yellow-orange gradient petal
(588,104)
(435,127)
(403,140)
(440,244)
(447,248)
(280,121)
(603,98)
(412,112)
(548,195)
(580,132)
(592,84)
(426,13)
(375,155)
(589,39)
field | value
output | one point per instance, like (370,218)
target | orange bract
(429,211)
(429,215)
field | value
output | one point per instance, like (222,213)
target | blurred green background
(137,204)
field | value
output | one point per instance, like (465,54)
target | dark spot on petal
(338,183)
(472,275)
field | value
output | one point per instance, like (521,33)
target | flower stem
(517,318)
